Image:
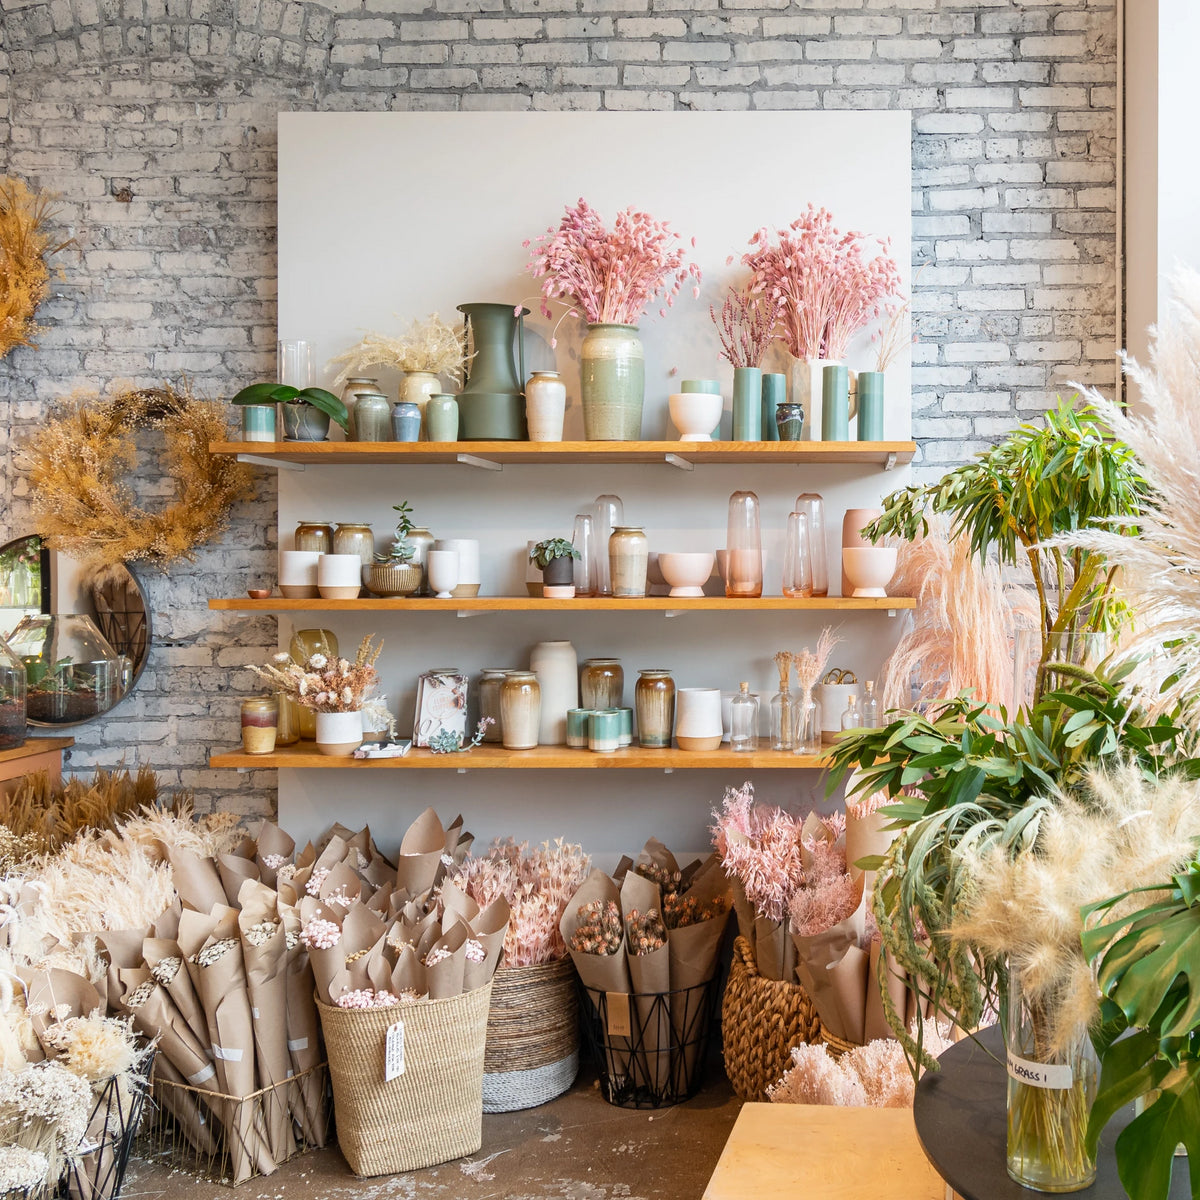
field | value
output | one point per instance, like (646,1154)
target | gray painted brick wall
(1014,203)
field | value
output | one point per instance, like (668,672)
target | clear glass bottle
(584,540)
(12,699)
(743,545)
(808,724)
(608,513)
(870,706)
(743,720)
(813,507)
(783,719)
(797,557)
(852,718)
(288,731)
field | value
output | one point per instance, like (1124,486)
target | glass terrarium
(72,673)
(12,699)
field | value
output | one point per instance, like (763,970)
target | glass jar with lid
(315,536)
(12,699)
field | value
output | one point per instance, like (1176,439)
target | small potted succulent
(556,558)
(306,411)
(395,573)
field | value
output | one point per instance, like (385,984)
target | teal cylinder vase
(774,393)
(747,404)
(835,404)
(491,405)
(442,417)
(612,383)
(870,406)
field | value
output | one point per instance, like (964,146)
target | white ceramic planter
(468,564)
(698,718)
(339,734)
(556,666)
(339,576)
(298,574)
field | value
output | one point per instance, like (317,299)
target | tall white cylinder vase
(556,666)
(339,734)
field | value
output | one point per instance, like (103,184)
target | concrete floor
(578,1147)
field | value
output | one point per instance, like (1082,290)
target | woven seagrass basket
(532,1051)
(761,1020)
(430,1114)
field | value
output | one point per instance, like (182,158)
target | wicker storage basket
(761,1020)
(431,1113)
(532,1052)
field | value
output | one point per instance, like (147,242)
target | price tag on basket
(617,1005)
(393,1055)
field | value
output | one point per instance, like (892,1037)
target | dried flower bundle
(818,275)
(783,664)
(320,934)
(370,998)
(746,326)
(610,277)
(1022,905)
(24,248)
(430,345)
(810,665)
(537,885)
(44,1109)
(95,1047)
(645,932)
(325,683)
(599,928)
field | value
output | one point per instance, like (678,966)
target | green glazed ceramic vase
(747,404)
(870,406)
(612,378)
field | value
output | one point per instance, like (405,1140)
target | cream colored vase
(807,384)
(416,388)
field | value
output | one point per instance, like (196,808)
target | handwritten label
(619,1024)
(1041,1075)
(393,1057)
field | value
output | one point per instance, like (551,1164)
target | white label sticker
(255,1013)
(202,1076)
(393,1058)
(297,1043)
(1042,1075)
(228,1053)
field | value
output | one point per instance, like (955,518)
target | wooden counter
(37,754)
(781,1151)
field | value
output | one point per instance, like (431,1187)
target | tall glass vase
(1052,1079)
(808,724)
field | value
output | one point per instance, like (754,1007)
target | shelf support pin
(484,464)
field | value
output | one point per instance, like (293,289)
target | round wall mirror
(83,634)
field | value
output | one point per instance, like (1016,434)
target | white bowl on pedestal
(695,414)
(687,571)
(869,569)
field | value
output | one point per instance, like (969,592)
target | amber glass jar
(601,683)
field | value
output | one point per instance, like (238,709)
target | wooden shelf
(482,604)
(304,755)
(33,746)
(496,454)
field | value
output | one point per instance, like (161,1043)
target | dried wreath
(76,461)
(24,249)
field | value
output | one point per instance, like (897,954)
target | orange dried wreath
(24,249)
(77,462)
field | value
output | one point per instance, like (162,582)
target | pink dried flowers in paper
(610,276)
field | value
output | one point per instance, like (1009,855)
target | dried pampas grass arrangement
(960,634)
(177,828)
(1157,567)
(1022,905)
(429,345)
(48,815)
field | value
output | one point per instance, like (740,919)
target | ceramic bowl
(687,571)
(869,568)
(392,579)
(695,414)
(258,593)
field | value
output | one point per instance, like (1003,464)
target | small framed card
(441,705)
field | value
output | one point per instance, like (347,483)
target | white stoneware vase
(339,734)
(556,666)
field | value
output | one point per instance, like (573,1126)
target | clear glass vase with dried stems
(783,706)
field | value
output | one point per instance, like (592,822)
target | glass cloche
(12,699)
(72,673)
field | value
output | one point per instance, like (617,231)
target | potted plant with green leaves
(556,559)
(306,411)
(974,785)
(394,573)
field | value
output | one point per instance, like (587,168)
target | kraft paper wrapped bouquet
(645,942)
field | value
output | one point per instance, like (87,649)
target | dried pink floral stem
(810,665)
(746,326)
(818,276)
(611,276)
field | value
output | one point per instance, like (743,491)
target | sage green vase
(870,406)
(612,383)
(491,405)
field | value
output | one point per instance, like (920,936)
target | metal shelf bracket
(676,460)
(484,464)
(277,464)
(889,462)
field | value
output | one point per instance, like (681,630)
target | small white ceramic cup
(443,572)
(468,563)
(339,576)
(698,718)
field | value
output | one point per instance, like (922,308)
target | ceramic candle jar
(698,721)
(520,710)
(557,671)
(654,698)
(601,683)
(627,561)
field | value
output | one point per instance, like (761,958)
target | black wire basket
(99,1170)
(650,1050)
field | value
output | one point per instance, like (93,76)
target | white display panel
(387,217)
